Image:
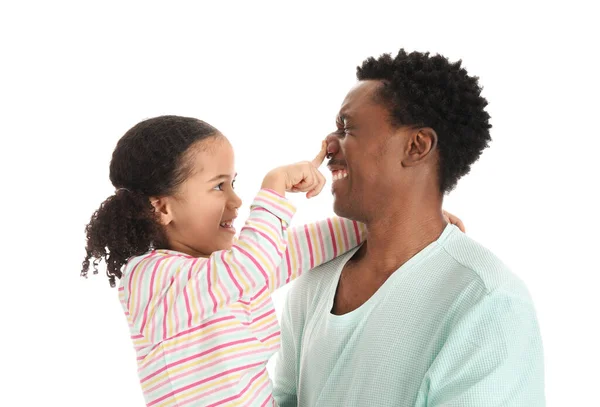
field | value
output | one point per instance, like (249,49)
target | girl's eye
(219,187)
(233,184)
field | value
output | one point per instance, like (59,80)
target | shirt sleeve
(170,293)
(313,244)
(492,357)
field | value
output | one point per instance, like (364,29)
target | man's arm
(492,357)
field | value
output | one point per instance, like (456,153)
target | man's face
(366,154)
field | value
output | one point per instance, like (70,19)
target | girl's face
(198,218)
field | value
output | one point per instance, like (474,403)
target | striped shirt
(204,328)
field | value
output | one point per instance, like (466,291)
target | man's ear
(419,147)
(162,207)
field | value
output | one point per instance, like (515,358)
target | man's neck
(397,236)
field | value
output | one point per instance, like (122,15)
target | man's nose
(333,144)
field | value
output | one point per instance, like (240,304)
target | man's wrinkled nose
(333,145)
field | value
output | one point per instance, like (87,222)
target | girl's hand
(300,177)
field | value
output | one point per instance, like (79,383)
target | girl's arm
(165,293)
(313,244)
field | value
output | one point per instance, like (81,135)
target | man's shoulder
(482,263)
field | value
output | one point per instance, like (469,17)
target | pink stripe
(345,234)
(150,293)
(289,265)
(261,292)
(263,316)
(332,234)
(131,279)
(271,261)
(276,205)
(208,393)
(256,263)
(189,386)
(239,394)
(186,296)
(265,253)
(206,352)
(310,249)
(265,301)
(269,225)
(165,290)
(257,392)
(239,287)
(189,331)
(299,254)
(137,272)
(322,244)
(204,325)
(266,327)
(210,289)
(265,236)
(266,401)
(356,231)
(274,334)
(202,339)
(171,379)
(175,307)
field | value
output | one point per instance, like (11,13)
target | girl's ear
(163,208)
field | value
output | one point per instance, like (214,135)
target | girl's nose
(235,202)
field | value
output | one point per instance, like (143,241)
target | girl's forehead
(214,157)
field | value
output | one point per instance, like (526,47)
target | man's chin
(342,208)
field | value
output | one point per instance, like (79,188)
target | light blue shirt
(451,327)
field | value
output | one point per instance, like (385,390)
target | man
(420,314)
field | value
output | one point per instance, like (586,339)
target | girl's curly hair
(150,160)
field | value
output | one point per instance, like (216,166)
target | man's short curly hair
(429,91)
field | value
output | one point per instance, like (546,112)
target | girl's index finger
(321,156)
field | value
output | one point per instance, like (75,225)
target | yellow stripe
(275,237)
(292,250)
(173,343)
(262,260)
(194,391)
(217,284)
(171,295)
(199,362)
(154,305)
(239,276)
(243,401)
(194,301)
(339,237)
(315,243)
(134,286)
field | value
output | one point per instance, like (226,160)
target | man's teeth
(339,174)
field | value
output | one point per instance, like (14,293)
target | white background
(271,76)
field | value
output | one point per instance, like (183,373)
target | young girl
(197,300)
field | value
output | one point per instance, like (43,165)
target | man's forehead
(360,95)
